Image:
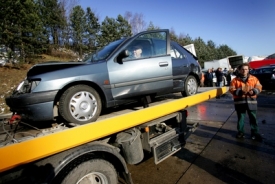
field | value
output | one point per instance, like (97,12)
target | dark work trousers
(252,120)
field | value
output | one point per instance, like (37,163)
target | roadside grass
(12,75)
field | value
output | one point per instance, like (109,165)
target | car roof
(272,56)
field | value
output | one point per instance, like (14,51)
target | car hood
(53,66)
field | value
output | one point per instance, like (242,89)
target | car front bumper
(33,106)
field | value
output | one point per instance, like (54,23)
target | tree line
(33,27)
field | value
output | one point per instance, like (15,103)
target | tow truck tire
(190,86)
(80,105)
(92,171)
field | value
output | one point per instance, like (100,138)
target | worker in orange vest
(245,88)
(202,80)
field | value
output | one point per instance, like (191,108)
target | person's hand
(243,92)
(250,92)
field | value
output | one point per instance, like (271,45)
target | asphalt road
(212,153)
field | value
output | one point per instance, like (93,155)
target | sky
(246,26)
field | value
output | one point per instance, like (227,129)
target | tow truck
(99,151)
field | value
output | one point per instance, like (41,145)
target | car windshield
(104,52)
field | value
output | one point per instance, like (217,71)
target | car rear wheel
(190,86)
(80,104)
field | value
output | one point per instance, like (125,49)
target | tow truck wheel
(80,104)
(92,171)
(190,86)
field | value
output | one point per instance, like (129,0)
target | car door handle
(161,64)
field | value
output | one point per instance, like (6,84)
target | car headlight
(27,86)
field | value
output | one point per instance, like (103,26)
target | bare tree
(128,16)
(136,21)
(68,5)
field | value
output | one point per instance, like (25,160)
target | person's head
(244,69)
(137,51)
(209,70)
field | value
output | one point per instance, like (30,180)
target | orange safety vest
(242,99)
(202,78)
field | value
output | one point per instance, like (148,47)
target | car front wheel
(190,86)
(80,104)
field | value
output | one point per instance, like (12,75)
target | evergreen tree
(78,22)
(224,51)
(108,31)
(124,28)
(24,33)
(113,29)
(173,35)
(54,20)
(212,51)
(185,40)
(92,30)
(151,26)
(201,50)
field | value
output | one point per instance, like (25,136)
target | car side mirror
(123,54)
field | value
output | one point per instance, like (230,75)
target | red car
(270,60)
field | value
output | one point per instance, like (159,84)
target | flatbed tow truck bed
(29,145)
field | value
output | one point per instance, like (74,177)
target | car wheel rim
(83,106)
(192,86)
(94,177)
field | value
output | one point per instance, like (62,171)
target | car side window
(267,70)
(259,71)
(147,45)
(175,54)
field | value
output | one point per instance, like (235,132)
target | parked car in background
(109,77)
(266,76)
(269,60)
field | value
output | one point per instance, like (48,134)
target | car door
(264,76)
(180,62)
(149,74)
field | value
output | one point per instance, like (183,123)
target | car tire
(190,86)
(80,104)
(92,171)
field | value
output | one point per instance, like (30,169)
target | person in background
(214,76)
(229,77)
(208,78)
(225,71)
(219,75)
(245,88)
(202,82)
